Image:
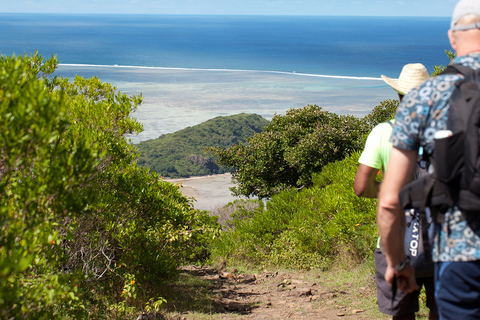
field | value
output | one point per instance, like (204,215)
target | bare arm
(391,217)
(365,184)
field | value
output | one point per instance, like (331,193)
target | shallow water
(178,98)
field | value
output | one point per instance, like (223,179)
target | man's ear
(452,40)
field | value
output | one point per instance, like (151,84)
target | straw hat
(412,75)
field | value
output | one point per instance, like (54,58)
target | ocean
(191,68)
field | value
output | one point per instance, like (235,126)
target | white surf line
(223,70)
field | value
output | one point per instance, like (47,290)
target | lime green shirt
(377,149)
(378,146)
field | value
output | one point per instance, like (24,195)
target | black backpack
(457,156)
(456,160)
(414,240)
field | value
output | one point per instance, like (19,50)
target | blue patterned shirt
(423,111)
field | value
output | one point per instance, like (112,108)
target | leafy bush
(83,228)
(383,112)
(42,165)
(238,209)
(308,228)
(290,150)
(439,68)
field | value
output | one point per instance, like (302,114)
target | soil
(221,294)
(271,295)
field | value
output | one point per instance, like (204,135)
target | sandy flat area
(210,192)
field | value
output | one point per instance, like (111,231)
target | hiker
(456,251)
(374,158)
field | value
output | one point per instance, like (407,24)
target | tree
(290,150)
(82,225)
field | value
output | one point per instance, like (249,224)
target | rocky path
(277,295)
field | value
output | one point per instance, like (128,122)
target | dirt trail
(277,295)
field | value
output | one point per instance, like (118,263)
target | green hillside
(182,154)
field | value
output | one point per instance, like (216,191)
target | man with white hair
(456,251)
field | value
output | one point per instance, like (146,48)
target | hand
(405,278)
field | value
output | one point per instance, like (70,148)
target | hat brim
(394,83)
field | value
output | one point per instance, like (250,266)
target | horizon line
(230,14)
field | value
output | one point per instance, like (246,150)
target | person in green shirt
(373,159)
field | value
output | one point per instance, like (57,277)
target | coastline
(174,99)
(210,192)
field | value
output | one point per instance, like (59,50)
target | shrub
(42,166)
(83,227)
(290,150)
(308,228)
(439,68)
(137,224)
(383,112)
(238,209)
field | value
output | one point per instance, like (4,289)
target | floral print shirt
(423,111)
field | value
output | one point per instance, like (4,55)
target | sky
(442,8)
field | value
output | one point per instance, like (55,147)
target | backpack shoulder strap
(457,68)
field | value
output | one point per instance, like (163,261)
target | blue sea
(191,68)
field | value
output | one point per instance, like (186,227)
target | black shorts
(404,303)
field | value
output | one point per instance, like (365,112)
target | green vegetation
(182,154)
(311,227)
(85,232)
(307,228)
(294,146)
(439,68)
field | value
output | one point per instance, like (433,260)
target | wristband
(402,265)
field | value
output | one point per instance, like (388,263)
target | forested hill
(182,154)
